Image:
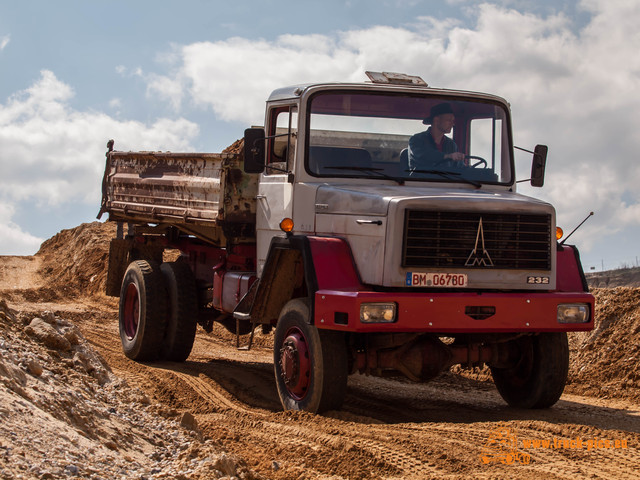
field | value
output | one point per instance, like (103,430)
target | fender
(300,265)
(123,251)
(569,274)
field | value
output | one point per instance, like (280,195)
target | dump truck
(363,243)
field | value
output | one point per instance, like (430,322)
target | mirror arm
(524,149)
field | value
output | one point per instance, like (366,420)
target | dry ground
(386,429)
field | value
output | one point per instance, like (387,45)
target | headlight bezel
(378,312)
(573,313)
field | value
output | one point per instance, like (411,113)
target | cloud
(53,155)
(575,90)
(165,88)
(115,103)
(13,240)
(4,41)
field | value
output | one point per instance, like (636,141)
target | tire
(538,380)
(182,311)
(310,365)
(142,312)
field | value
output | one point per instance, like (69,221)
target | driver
(430,148)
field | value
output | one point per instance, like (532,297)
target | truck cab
(337,161)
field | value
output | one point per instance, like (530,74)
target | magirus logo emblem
(479,255)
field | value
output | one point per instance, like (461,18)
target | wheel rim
(295,363)
(131,314)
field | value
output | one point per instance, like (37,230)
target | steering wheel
(481,161)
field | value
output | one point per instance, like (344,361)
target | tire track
(384,449)
(213,394)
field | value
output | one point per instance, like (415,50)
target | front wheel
(538,378)
(310,365)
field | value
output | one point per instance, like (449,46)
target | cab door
(275,191)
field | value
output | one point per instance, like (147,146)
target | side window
(284,123)
(486,141)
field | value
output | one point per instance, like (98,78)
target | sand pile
(236,147)
(606,361)
(75,260)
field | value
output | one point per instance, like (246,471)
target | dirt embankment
(622,277)
(71,404)
(75,261)
(606,361)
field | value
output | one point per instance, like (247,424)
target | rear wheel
(310,365)
(182,311)
(142,310)
(539,377)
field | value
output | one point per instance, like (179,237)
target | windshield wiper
(448,175)
(378,171)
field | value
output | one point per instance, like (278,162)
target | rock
(72,337)
(227,464)
(13,373)
(48,335)
(81,361)
(72,469)
(189,422)
(88,363)
(111,445)
(34,367)
(49,317)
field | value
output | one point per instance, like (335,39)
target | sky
(191,75)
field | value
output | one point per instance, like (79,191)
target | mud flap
(118,263)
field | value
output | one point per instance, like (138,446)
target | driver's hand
(456,156)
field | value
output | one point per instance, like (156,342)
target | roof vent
(396,78)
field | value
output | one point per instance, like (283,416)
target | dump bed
(204,194)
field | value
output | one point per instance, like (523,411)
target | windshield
(408,137)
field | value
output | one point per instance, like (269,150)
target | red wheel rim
(131,314)
(295,363)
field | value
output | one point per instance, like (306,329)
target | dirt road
(453,427)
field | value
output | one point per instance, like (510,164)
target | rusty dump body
(207,195)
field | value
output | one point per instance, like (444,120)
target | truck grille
(453,240)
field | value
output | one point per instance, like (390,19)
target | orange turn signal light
(559,233)
(286,225)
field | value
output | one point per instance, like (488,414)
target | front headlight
(573,313)
(378,312)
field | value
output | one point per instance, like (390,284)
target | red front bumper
(445,312)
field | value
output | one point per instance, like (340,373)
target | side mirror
(538,165)
(254,150)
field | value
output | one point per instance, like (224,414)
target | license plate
(415,279)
